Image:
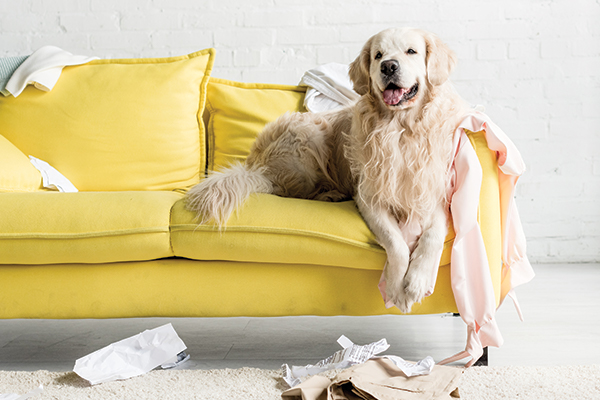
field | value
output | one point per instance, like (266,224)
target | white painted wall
(534,64)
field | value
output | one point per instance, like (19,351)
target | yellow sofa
(133,136)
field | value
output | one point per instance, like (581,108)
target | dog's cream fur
(391,152)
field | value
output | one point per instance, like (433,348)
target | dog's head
(397,66)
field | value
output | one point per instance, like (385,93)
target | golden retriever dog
(390,152)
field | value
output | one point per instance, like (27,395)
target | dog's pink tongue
(393,96)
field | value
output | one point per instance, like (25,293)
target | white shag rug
(485,383)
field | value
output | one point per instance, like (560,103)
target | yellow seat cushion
(239,111)
(17,174)
(112,125)
(274,229)
(85,227)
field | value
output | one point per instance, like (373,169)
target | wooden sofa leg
(483,360)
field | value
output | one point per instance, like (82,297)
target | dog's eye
(378,55)
(411,51)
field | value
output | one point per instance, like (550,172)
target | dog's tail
(221,193)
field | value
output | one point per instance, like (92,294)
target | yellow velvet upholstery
(17,172)
(86,227)
(109,125)
(239,111)
(177,287)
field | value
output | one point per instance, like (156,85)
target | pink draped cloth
(470,273)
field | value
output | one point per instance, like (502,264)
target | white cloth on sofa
(329,87)
(42,69)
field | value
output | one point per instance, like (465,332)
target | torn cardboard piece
(131,357)
(379,379)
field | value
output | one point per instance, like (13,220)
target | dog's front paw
(415,289)
(416,284)
(403,303)
(395,286)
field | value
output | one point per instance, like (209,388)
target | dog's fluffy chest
(403,169)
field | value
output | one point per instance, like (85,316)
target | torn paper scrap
(14,396)
(131,357)
(351,354)
(51,178)
(423,367)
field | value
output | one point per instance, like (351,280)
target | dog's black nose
(389,67)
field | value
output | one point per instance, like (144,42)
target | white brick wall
(535,65)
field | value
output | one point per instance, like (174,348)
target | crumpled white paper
(423,367)
(353,354)
(131,357)
(14,396)
(51,178)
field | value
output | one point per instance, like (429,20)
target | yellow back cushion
(17,174)
(239,111)
(131,124)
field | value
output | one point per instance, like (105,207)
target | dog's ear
(359,70)
(441,60)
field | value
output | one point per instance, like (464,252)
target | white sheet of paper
(131,357)
(351,354)
(51,178)
(14,396)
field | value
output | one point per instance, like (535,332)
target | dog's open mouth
(394,95)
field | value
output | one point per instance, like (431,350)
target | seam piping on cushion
(170,232)
(242,228)
(124,232)
(238,229)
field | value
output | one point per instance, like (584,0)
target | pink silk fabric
(470,273)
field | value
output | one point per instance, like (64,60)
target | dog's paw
(415,289)
(395,289)
(416,285)
(403,303)
(400,299)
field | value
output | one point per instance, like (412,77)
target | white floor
(561,327)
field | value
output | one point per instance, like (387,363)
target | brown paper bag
(314,388)
(379,379)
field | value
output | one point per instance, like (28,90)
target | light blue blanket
(8,66)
